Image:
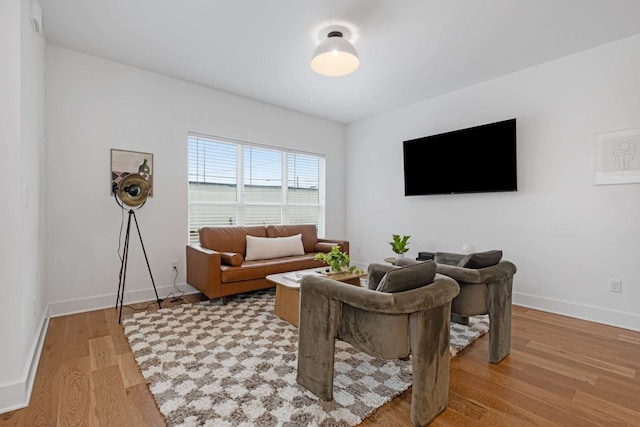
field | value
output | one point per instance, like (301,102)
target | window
(236,183)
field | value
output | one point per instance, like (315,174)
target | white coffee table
(287,304)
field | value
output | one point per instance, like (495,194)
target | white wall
(94,105)
(32,170)
(10,223)
(22,318)
(567,236)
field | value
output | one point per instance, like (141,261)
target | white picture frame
(617,157)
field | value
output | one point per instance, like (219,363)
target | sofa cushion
(259,269)
(273,247)
(481,259)
(402,279)
(308,231)
(229,239)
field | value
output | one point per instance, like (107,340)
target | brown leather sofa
(217,268)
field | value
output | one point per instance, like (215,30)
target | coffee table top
(292,279)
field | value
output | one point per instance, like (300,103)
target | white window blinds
(235,183)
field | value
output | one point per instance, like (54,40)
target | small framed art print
(618,157)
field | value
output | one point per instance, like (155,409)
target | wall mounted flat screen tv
(474,160)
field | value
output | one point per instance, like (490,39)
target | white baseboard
(80,305)
(17,395)
(579,311)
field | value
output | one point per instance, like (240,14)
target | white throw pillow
(273,247)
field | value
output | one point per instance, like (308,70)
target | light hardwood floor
(561,371)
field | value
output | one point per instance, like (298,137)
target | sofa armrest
(203,270)
(325,245)
(233,259)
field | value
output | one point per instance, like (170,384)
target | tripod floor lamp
(131,192)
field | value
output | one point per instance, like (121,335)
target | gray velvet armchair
(387,323)
(486,283)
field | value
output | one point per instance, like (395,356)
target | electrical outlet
(357,249)
(615,286)
(174,265)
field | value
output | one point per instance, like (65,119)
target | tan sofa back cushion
(308,231)
(229,239)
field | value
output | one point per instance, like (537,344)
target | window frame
(285,203)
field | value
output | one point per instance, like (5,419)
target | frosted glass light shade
(335,56)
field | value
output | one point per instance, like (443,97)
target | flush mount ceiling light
(335,56)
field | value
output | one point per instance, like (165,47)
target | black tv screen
(474,160)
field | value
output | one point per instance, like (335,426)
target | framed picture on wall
(124,162)
(618,157)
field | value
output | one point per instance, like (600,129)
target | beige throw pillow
(273,247)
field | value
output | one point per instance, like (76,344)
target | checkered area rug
(234,365)
(461,336)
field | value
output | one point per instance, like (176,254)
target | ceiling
(410,50)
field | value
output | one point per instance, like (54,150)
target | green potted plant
(338,261)
(399,245)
